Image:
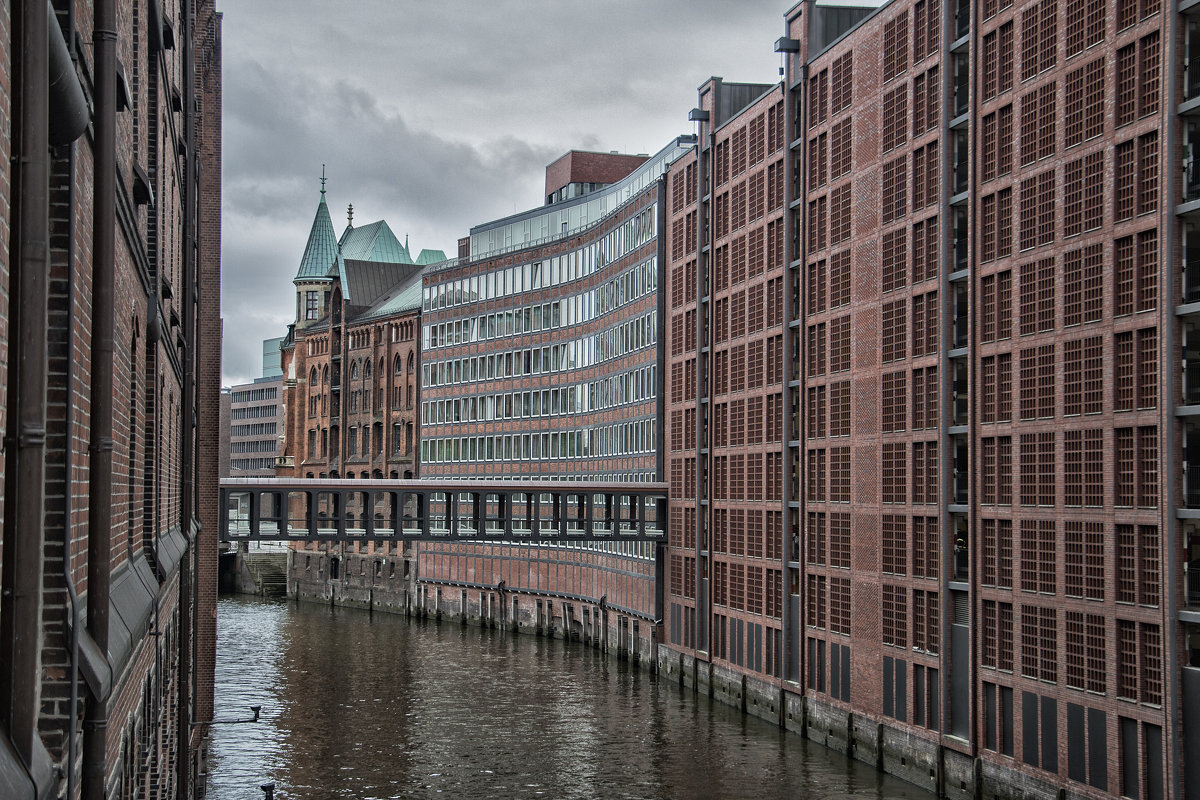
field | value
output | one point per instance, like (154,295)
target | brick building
(966,554)
(350,371)
(539,361)
(109,370)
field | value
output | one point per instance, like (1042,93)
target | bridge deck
(328,509)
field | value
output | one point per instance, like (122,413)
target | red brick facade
(980,341)
(138,655)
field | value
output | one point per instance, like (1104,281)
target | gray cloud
(440,116)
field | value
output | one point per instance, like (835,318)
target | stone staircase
(269,572)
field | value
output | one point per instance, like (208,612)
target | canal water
(359,705)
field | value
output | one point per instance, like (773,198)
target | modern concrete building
(255,433)
(109,380)
(540,361)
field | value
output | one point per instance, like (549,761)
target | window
(310,305)
(1083,195)
(895,117)
(895,179)
(894,253)
(895,47)
(1084,117)
(1038,120)
(842,77)
(1039,38)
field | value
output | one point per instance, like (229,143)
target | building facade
(109,382)
(539,361)
(350,388)
(255,432)
(979,569)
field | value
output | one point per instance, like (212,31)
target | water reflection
(373,706)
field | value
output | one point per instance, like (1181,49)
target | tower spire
(350,215)
(322,182)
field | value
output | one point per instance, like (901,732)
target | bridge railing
(276,509)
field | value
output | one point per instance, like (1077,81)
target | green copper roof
(374,242)
(322,246)
(430,257)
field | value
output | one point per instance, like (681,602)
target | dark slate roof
(366,282)
(403,297)
(322,247)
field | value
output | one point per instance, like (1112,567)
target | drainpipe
(69,446)
(188,570)
(100,445)
(1169,322)
(24,534)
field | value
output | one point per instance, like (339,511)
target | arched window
(325,374)
(399,368)
(367,370)
(353,370)
(312,378)
(412,362)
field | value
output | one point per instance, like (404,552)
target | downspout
(188,571)
(793,338)
(24,532)
(100,444)
(69,449)
(1170,525)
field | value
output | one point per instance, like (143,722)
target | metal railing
(275,509)
(961,486)
(1191,281)
(962,19)
(1191,180)
(1191,487)
(960,253)
(1191,381)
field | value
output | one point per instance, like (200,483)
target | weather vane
(322,179)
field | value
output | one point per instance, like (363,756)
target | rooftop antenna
(350,215)
(322,180)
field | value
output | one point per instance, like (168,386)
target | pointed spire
(322,246)
(350,215)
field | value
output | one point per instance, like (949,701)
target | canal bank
(388,582)
(375,705)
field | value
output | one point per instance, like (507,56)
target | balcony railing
(962,561)
(1191,281)
(1191,487)
(960,167)
(960,330)
(960,253)
(961,403)
(1191,381)
(1193,583)
(1191,87)
(1191,181)
(962,18)
(961,484)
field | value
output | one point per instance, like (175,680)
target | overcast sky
(440,115)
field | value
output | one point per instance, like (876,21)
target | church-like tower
(312,281)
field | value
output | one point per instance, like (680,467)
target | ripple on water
(365,706)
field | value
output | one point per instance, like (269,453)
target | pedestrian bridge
(513,512)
